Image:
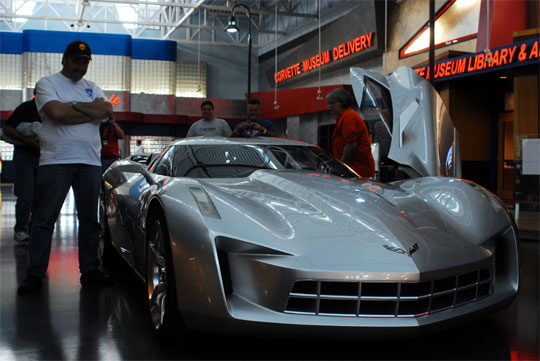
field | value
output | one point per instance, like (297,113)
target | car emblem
(412,249)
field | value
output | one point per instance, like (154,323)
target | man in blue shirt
(254,126)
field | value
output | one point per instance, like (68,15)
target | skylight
(127,14)
(24,8)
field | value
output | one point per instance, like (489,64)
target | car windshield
(234,161)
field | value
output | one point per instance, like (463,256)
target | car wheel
(161,288)
(105,248)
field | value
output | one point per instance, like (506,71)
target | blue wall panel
(11,43)
(154,49)
(41,41)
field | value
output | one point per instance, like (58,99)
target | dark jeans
(26,165)
(106,162)
(53,185)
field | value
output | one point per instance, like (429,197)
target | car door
(126,185)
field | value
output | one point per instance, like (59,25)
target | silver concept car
(270,234)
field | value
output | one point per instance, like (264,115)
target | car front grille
(387,299)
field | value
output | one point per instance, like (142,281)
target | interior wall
(472,106)
(526,105)
(468,107)
(152,104)
(502,25)
(361,20)
(10,99)
(226,69)
(404,20)
(533,9)
(526,121)
(340,76)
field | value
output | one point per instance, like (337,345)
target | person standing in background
(350,142)
(254,126)
(110,132)
(209,126)
(25,160)
(72,109)
(140,147)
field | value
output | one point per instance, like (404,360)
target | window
(6,151)
(218,161)
(236,161)
(164,165)
(191,79)
(153,76)
(10,71)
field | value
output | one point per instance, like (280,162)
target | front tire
(106,252)
(161,286)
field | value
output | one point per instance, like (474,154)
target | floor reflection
(34,327)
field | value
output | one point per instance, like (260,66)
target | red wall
(505,17)
(295,101)
(508,16)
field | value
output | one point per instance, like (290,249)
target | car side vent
(223,259)
(387,299)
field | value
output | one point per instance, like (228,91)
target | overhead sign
(341,51)
(522,53)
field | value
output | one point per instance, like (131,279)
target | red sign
(338,52)
(115,100)
(513,54)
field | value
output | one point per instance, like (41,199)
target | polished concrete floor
(67,322)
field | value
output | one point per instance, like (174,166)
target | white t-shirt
(213,128)
(67,144)
(140,149)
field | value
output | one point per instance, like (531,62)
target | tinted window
(218,161)
(309,158)
(234,161)
(164,164)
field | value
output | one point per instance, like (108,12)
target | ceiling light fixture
(233,28)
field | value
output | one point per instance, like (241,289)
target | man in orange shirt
(350,141)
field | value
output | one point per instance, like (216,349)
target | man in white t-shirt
(71,109)
(140,147)
(209,126)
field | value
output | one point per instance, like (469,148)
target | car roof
(240,141)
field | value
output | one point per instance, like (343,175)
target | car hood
(335,223)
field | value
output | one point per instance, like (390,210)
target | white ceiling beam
(167,17)
(187,14)
(258,11)
(117,21)
(220,8)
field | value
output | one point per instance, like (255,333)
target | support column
(293,127)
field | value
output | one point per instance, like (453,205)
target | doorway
(505,156)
